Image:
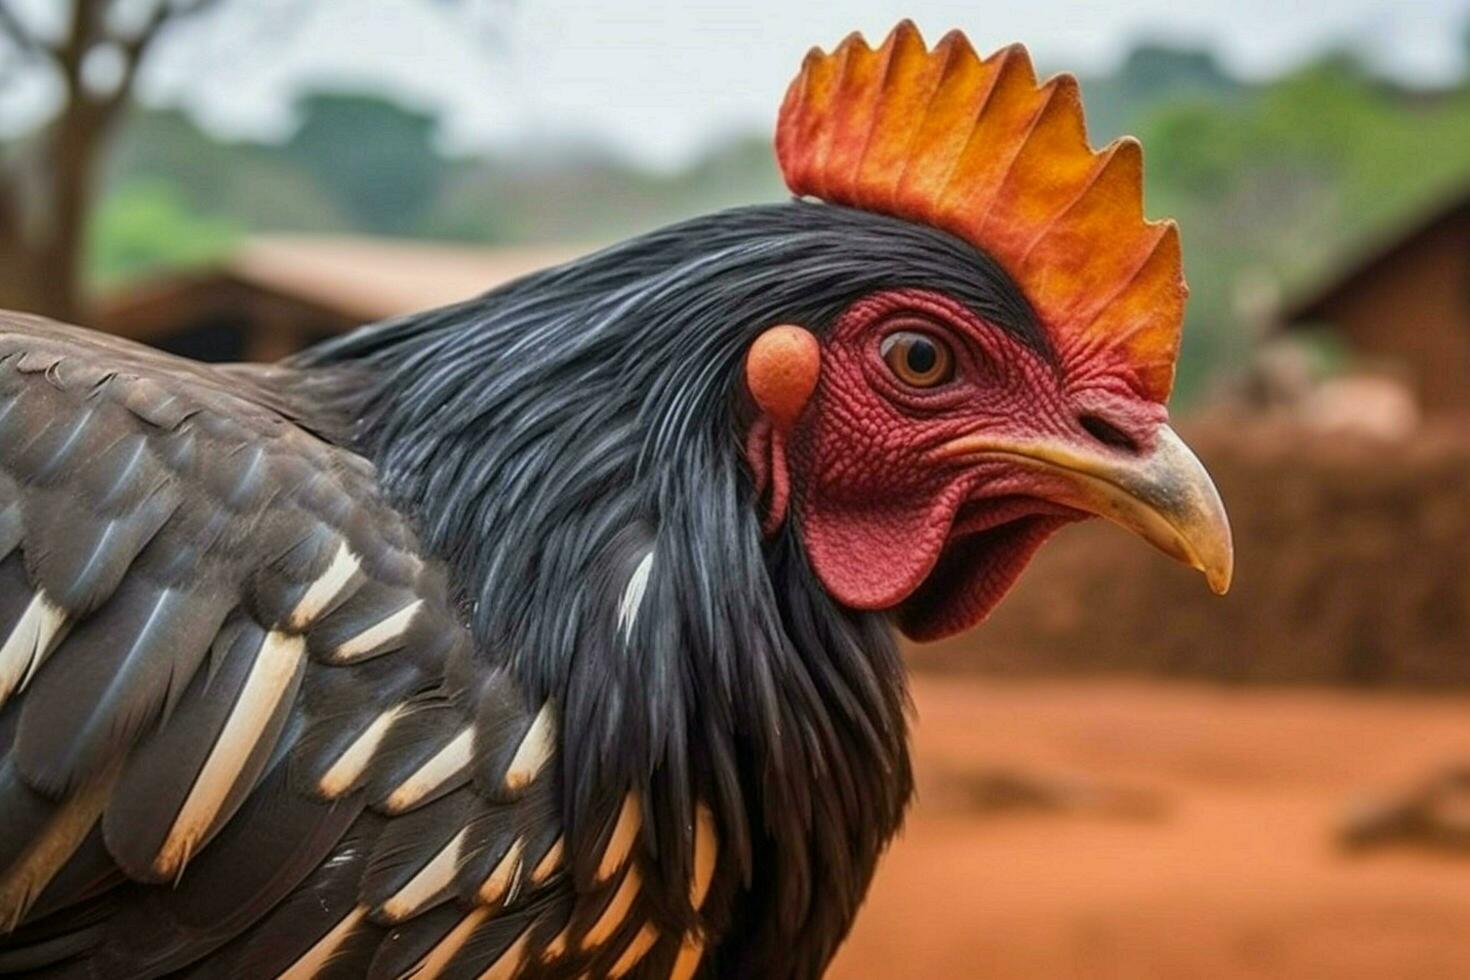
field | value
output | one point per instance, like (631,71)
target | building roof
(379,277)
(1313,306)
(349,280)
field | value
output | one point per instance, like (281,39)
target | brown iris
(920,360)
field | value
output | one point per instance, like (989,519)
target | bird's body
(225,556)
(522,638)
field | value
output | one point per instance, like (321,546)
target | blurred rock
(1002,790)
(1290,383)
(1361,405)
(1435,814)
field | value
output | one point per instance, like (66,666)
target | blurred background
(1120,776)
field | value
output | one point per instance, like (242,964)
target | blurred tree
(383,184)
(251,186)
(45,195)
(1284,181)
(93,49)
(1152,75)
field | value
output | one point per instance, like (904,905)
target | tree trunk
(43,216)
(43,242)
(75,142)
(44,222)
(17,261)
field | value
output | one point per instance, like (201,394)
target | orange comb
(979,149)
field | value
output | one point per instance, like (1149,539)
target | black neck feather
(547,435)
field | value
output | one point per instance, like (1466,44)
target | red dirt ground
(1236,874)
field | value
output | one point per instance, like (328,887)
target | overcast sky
(658,79)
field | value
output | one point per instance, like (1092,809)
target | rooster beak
(1165,496)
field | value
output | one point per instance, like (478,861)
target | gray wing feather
(243,731)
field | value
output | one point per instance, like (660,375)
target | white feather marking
(534,751)
(706,850)
(28,644)
(630,818)
(430,880)
(442,766)
(328,586)
(439,958)
(549,862)
(379,636)
(633,595)
(502,878)
(686,964)
(617,910)
(509,962)
(353,762)
(311,962)
(634,952)
(276,663)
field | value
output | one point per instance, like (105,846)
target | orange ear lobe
(781,372)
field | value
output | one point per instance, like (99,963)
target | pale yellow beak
(1165,496)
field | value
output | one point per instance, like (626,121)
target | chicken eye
(918,359)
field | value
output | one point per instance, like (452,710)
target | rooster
(549,633)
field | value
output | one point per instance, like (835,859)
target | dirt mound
(1351,567)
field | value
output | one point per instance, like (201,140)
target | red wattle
(780,485)
(757,450)
(872,553)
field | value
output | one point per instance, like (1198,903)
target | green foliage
(251,185)
(1281,183)
(145,227)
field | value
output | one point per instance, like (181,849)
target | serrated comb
(979,149)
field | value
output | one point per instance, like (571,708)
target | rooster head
(928,440)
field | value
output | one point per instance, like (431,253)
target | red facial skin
(887,520)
